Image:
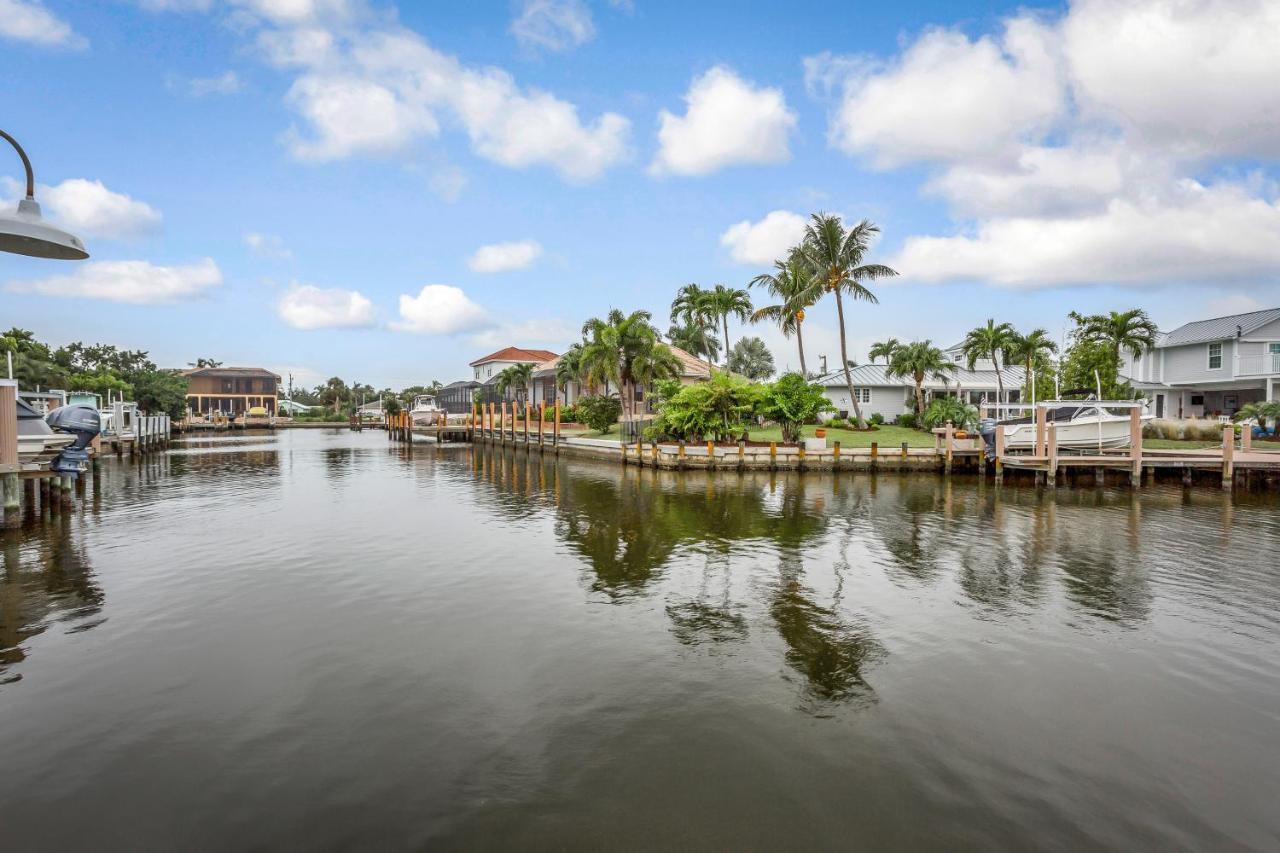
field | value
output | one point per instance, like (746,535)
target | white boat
(1080,425)
(36,441)
(424,408)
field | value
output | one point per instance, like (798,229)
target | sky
(385,192)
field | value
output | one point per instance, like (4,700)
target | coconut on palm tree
(692,307)
(1032,349)
(793,284)
(838,258)
(726,302)
(988,342)
(919,360)
(625,349)
(1130,331)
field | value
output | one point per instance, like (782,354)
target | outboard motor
(987,429)
(85,423)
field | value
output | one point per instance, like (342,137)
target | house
(890,397)
(372,411)
(231,390)
(1210,368)
(485,370)
(545,388)
(289,407)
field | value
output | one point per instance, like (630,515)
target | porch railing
(1260,365)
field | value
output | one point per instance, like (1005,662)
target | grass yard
(887,436)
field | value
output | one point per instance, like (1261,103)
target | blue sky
(275,182)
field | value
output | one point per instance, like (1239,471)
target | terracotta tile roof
(537,356)
(692,365)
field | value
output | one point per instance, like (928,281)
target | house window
(862,395)
(639,394)
(1197,399)
(1215,356)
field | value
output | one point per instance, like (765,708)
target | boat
(424,408)
(37,442)
(1079,425)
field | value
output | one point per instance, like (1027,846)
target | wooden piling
(1135,446)
(1042,416)
(742,455)
(542,419)
(555,435)
(773,456)
(904,451)
(711,454)
(1228,456)
(949,439)
(680,456)
(999,453)
(835,455)
(1051,451)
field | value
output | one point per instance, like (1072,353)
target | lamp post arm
(26,164)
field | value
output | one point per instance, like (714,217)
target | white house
(890,397)
(1210,367)
(486,368)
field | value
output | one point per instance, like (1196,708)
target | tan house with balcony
(1211,368)
(231,390)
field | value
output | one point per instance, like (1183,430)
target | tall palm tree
(521,379)
(1130,330)
(837,256)
(792,282)
(729,302)
(696,340)
(988,341)
(883,349)
(692,307)
(919,360)
(625,349)
(1031,349)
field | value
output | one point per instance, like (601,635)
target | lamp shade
(25,232)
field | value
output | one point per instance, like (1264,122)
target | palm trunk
(800,343)
(726,341)
(999,382)
(844,361)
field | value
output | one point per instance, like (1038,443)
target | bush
(791,402)
(716,409)
(876,419)
(949,409)
(568,414)
(599,413)
(838,423)
(906,419)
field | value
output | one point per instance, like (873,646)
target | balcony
(1266,364)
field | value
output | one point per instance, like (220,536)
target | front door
(1230,403)
(1159,405)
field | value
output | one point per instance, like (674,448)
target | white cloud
(760,243)
(553,24)
(1192,77)
(133,282)
(439,309)
(306,306)
(267,245)
(30,21)
(1195,234)
(89,209)
(352,115)
(728,122)
(505,257)
(950,98)
(1068,144)
(226,83)
(540,333)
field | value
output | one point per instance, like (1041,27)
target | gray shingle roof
(1219,328)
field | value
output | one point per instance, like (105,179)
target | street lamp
(26,233)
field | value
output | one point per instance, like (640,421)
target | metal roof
(1219,328)
(874,375)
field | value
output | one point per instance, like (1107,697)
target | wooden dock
(538,430)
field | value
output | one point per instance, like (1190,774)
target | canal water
(315,641)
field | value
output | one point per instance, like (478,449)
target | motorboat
(1078,424)
(424,408)
(59,438)
(37,442)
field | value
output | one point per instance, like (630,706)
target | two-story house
(231,390)
(1210,367)
(485,370)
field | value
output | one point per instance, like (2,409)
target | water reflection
(46,581)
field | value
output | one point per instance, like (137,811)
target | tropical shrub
(876,418)
(600,413)
(717,409)
(906,419)
(838,423)
(791,402)
(949,409)
(568,414)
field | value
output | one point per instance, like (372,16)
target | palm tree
(883,349)
(697,340)
(1031,349)
(989,341)
(692,307)
(1130,330)
(836,256)
(919,360)
(794,284)
(625,349)
(729,302)
(569,368)
(1261,412)
(521,379)
(752,359)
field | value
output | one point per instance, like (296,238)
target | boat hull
(1073,435)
